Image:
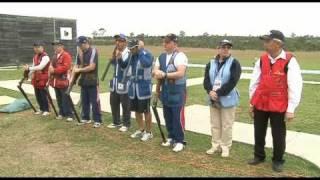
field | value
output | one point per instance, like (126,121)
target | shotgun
(25,77)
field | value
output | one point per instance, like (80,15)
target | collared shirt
(294,80)
(44,61)
(180,59)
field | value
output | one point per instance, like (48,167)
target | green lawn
(36,146)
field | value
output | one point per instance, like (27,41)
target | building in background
(17,34)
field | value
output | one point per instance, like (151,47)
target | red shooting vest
(60,79)
(271,94)
(40,78)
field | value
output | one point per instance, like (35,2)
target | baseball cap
(225,42)
(81,40)
(57,42)
(133,43)
(120,37)
(38,43)
(171,37)
(274,35)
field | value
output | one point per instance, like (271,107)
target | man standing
(118,88)
(221,77)
(140,88)
(87,66)
(170,71)
(275,92)
(39,80)
(58,70)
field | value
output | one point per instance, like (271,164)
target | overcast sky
(193,18)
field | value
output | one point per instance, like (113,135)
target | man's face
(121,44)
(57,48)
(224,51)
(168,45)
(37,49)
(84,46)
(271,45)
(134,50)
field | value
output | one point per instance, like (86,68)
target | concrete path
(6,100)
(300,144)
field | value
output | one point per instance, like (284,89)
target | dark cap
(57,42)
(274,35)
(120,37)
(133,43)
(225,42)
(171,37)
(38,43)
(81,40)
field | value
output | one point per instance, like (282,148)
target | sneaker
(178,147)
(69,119)
(112,126)
(168,143)
(225,152)
(213,150)
(38,112)
(46,113)
(123,129)
(82,121)
(59,117)
(137,134)
(96,125)
(146,136)
(277,166)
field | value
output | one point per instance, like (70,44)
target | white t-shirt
(180,59)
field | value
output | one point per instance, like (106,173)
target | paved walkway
(6,100)
(198,120)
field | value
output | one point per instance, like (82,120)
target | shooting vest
(220,77)
(60,79)
(140,79)
(172,92)
(40,78)
(89,78)
(118,75)
(271,94)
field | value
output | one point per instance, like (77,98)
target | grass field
(34,146)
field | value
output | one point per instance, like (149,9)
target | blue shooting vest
(140,82)
(118,76)
(232,99)
(172,93)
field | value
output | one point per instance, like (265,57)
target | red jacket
(40,78)
(271,94)
(61,66)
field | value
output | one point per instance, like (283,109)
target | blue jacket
(223,75)
(172,93)
(140,68)
(118,77)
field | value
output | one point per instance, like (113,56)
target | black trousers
(115,101)
(42,99)
(278,130)
(63,102)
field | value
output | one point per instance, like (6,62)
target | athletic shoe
(168,143)
(38,113)
(146,136)
(69,119)
(59,117)
(225,152)
(178,147)
(82,122)
(123,129)
(112,126)
(96,125)
(46,113)
(212,150)
(137,134)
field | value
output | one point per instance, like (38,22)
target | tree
(293,35)
(102,31)
(131,34)
(205,34)
(182,34)
(94,33)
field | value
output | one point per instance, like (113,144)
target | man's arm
(255,79)
(295,84)
(93,62)
(206,81)
(65,65)
(44,61)
(145,58)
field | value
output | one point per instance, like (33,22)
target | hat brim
(133,47)
(265,37)
(223,44)
(54,43)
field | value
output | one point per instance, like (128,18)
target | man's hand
(251,113)
(159,74)
(51,69)
(289,116)
(76,70)
(26,67)
(213,95)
